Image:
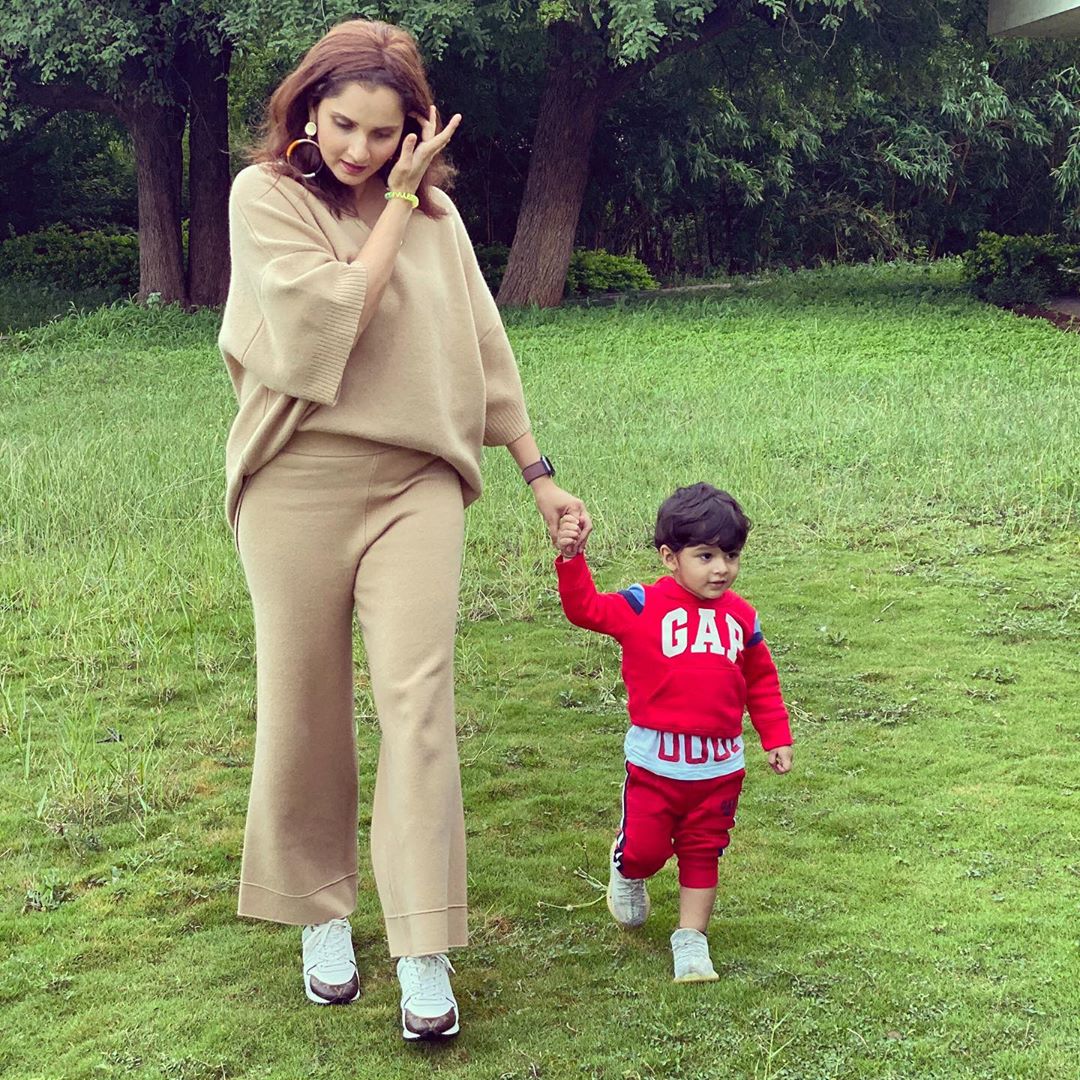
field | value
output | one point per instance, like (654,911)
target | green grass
(903,905)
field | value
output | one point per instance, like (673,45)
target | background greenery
(840,131)
(902,906)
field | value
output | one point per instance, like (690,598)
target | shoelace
(333,942)
(426,974)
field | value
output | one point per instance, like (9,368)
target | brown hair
(701,514)
(371,53)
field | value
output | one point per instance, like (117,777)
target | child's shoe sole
(694,977)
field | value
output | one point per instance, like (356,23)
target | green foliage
(1020,269)
(589,271)
(855,146)
(75,167)
(810,132)
(600,271)
(69,260)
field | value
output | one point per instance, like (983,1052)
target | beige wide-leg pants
(330,525)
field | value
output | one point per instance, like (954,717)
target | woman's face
(359,131)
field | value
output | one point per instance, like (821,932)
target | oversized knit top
(432,370)
(690,666)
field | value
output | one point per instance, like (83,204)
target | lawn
(903,905)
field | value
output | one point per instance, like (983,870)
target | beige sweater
(432,371)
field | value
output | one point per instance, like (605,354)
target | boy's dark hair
(701,514)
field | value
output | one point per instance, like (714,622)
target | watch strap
(532,472)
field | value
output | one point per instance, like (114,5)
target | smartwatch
(532,472)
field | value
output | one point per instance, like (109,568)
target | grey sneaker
(429,1009)
(627,898)
(330,975)
(690,951)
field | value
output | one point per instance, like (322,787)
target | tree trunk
(207,77)
(157,131)
(574,95)
(555,186)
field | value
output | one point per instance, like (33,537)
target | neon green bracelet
(408,196)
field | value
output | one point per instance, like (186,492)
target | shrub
(1020,269)
(600,271)
(69,260)
(589,271)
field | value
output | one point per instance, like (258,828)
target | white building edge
(1035,18)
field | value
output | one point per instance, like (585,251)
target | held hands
(568,539)
(554,505)
(779,758)
(416,153)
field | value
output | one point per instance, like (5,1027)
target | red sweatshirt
(690,666)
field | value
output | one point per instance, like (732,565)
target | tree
(843,126)
(592,51)
(794,148)
(595,53)
(153,64)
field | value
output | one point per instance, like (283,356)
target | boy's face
(705,570)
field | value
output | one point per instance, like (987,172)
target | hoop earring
(310,130)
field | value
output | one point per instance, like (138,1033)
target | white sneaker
(330,975)
(627,898)
(690,950)
(429,1009)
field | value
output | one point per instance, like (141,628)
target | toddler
(693,659)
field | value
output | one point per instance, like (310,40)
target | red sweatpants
(690,819)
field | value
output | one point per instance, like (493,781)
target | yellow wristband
(408,196)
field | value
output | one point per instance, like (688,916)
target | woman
(370,366)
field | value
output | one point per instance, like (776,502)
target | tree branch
(63,96)
(719,21)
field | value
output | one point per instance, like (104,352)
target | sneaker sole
(313,997)
(430,1036)
(694,977)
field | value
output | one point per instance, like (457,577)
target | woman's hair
(358,51)
(701,514)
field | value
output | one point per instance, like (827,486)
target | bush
(1020,269)
(600,271)
(68,260)
(589,271)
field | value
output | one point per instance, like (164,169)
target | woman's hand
(416,153)
(553,504)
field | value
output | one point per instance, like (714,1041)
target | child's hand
(568,538)
(780,759)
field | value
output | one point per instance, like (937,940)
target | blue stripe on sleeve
(634,595)
(757,637)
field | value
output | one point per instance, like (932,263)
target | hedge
(1025,269)
(68,260)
